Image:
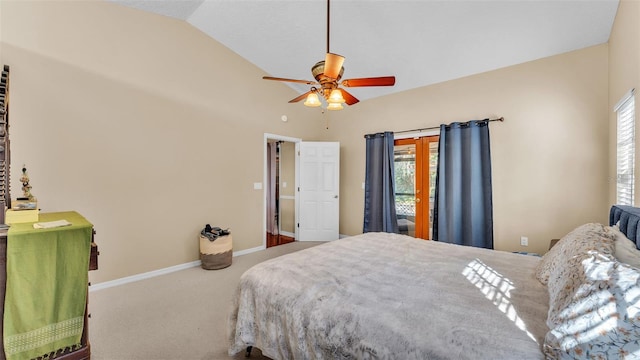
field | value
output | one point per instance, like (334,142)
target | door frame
(266,139)
(417,134)
(419,179)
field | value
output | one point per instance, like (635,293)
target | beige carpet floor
(177,316)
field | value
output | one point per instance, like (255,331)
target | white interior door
(318,190)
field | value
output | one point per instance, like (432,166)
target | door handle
(335,197)
(417,200)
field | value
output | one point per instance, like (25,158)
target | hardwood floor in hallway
(274,240)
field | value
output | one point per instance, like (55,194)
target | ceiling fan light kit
(328,74)
(335,106)
(336,97)
(312,100)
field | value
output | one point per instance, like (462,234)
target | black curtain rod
(501,119)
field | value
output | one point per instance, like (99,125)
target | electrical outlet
(524,241)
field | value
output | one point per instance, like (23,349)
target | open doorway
(280,195)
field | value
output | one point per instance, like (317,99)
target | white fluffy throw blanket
(389,296)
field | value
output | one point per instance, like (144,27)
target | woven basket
(216,254)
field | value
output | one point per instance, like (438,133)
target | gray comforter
(389,296)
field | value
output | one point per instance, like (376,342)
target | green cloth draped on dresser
(47,276)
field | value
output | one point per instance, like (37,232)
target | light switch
(284,184)
(257,186)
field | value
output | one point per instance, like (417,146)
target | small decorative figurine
(26,188)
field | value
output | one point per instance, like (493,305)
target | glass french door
(415,162)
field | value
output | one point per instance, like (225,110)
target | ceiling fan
(328,73)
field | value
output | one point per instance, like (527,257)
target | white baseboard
(248,251)
(167,270)
(286,233)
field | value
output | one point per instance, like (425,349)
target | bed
(390,296)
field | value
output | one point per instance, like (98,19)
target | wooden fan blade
(372,81)
(301,97)
(308,82)
(332,65)
(349,99)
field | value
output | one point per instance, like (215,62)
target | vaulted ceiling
(420,42)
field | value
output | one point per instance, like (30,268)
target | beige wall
(624,74)
(128,118)
(549,157)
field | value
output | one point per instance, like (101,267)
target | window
(625,145)
(404,159)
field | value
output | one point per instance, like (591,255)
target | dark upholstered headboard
(629,218)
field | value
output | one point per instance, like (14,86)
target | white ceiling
(420,42)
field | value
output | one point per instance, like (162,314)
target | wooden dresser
(7,296)
(84,352)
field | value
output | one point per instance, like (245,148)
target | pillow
(625,249)
(584,238)
(602,318)
(569,279)
(589,243)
